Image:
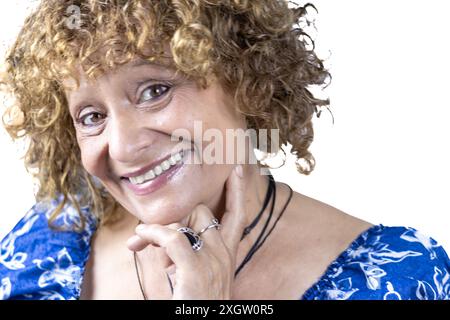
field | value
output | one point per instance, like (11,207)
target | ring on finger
(193,237)
(215,224)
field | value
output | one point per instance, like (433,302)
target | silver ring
(193,237)
(215,224)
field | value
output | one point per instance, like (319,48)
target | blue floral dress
(390,263)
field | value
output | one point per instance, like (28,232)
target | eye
(153,92)
(90,119)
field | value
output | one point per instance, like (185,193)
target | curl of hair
(256,49)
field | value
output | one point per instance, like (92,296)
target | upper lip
(147,167)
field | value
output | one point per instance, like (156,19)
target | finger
(136,243)
(233,220)
(177,245)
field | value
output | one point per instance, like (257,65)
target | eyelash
(155,86)
(81,120)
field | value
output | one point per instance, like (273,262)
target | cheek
(92,159)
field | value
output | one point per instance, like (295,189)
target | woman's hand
(209,272)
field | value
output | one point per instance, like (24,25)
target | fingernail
(239,171)
(140,227)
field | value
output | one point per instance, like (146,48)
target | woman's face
(124,123)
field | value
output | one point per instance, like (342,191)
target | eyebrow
(157,67)
(142,62)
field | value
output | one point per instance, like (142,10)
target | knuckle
(175,226)
(176,238)
(201,208)
(145,230)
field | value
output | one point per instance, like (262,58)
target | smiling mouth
(157,170)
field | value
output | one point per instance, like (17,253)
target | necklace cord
(253,248)
(138,277)
(276,221)
(170,282)
(270,189)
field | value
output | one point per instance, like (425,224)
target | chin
(163,210)
(164,216)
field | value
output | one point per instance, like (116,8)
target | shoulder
(32,251)
(387,263)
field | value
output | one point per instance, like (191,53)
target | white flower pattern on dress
(373,274)
(8,257)
(37,262)
(425,291)
(50,295)
(342,289)
(5,289)
(391,294)
(62,271)
(415,236)
(396,263)
(441,279)
(68,217)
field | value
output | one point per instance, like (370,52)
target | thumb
(233,219)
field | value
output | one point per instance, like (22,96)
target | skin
(118,132)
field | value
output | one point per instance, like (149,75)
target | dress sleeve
(37,262)
(387,263)
(417,268)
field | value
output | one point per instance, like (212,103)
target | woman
(111,95)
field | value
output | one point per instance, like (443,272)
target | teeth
(159,169)
(150,175)
(165,165)
(177,157)
(140,179)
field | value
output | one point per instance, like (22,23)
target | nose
(128,137)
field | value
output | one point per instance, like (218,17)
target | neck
(256,186)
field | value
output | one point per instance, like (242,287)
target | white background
(386,158)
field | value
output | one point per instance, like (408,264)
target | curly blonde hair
(256,49)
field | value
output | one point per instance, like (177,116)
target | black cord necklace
(271,189)
(258,239)
(260,242)
(137,274)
